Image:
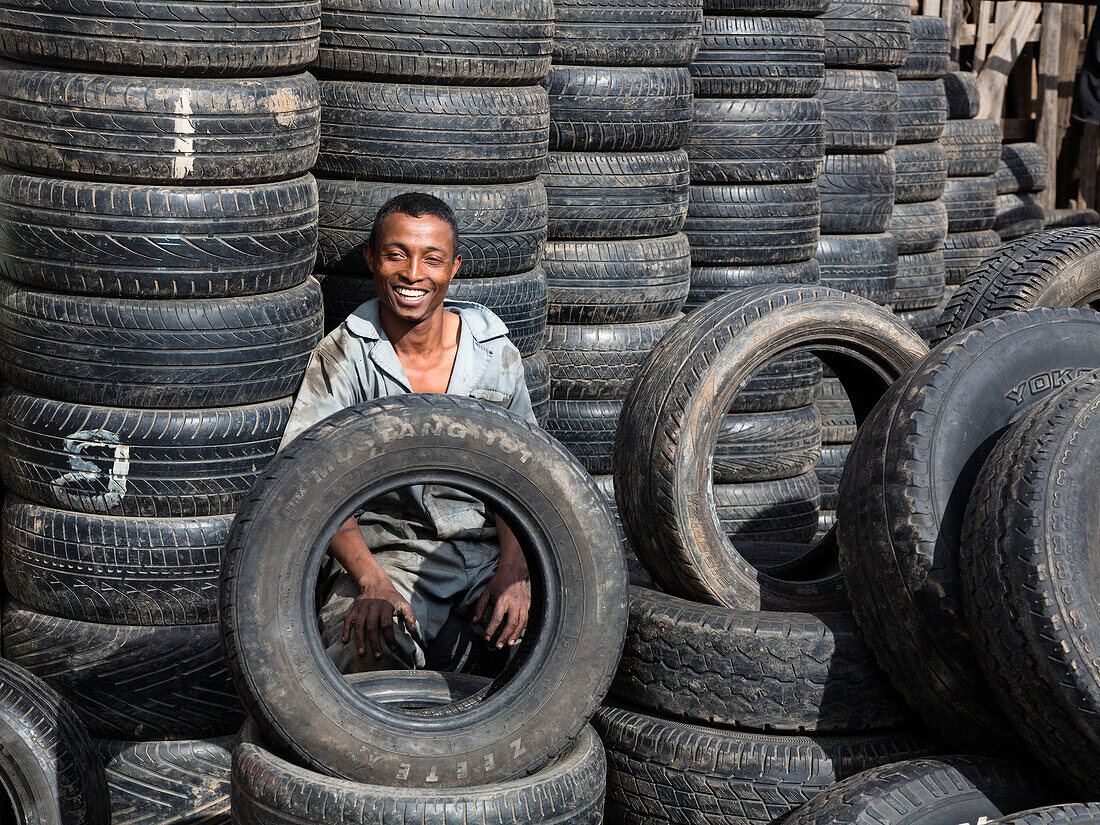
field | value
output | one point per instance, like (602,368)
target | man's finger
(373,615)
(521,625)
(349,620)
(482,603)
(387,629)
(498,616)
(509,630)
(405,609)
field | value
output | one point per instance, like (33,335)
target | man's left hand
(509,598)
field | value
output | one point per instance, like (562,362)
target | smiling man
(414,557)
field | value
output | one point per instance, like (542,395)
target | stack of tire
(442,98)
(157,235)
(1021,173)
(617,262)
(973,148)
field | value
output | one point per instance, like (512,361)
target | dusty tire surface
(1023,168)
(765,57)
(857,194)
(768,445)
(863,265)
(973,147)
(963,252)
(918,227)
(929,48)
(920,172)
(922,111)
(774,224)
(651,33)
(920,283)
(863,34)
(861,110)
(971,204)
(963,101)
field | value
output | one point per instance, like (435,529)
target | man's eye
(435,261)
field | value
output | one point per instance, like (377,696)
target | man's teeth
(410,293)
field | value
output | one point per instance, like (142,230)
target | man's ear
(366,257)
(455,266)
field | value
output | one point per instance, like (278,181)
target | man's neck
(417,340)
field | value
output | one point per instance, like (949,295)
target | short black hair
(415,205)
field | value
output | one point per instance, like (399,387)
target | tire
(618,109)
(919,227)
(127,240)
(1071,814)
(617,195)
(710,282)
(778,8)
(617,282)
(929,49)
(587,430)
(177,781)
(1018,215)
(597,362)
(112,569)
(786,383)
(490,42)
(923,321)
(838,421)
(861,110)
(1055,268)
(1058,218)
(920,172)
(1023,563)
(501,227)
(651,33)
(186,352)
(432,134)
(759,57)
(172,38)
(774,224)
(963,101)
(963,252)
(922,111)
(828,471)
(536,374)
(1023,168)
(663,492)
(866,34)
(904,479)
(923,792)
(863,265)
(129,682)
(971,203)
(520,473)
(268,790)
(157,130)
(49,767)
(920,282)
(637,575)
(857,194)
(767,446)
(973,147)
(756,141)
(660,771)
(783,510)
(135,463)
(757,671)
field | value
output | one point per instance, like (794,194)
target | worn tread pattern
(971,203)
(778,510)
(857,194)
(920,282)
(746,224)
(777,8)
(766,446)
(536,374)
(919,227)
(924,321)
(922,111)
(963,101)
(866,34)
(1023,168)
(920,172)
(760,57)
(864,265)
(627,32)
(1070,814)
(829,470)
(963,252)
(587,430)
(838,421)
(973,147)
(861,110)
(929,49)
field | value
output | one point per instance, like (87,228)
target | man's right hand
(375,610)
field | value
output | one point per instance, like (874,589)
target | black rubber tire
(782,510)
(971,203)
(135,463)
(145,241)
(922,111)
(861,110)
(829,470)
(536,374)
(762,57)
(598,362)
(920,282)
(610,195)
(1018,214)
(185,352)
(665,772)
(778,8)
(157,130)
(1023,168)
(560,670)
(767,224)
(625,33)
(51,773)
(1025,566)
(171,782)
(929,49)
(920,172)
(432,134)
(617,282)
(767,446)
(174,37)
(756,140)
(753,671)
(866,34)
(910,472)
(637,575)
(501,227)
(924,321)
(857,194)
(925,791)
(587,430)
(268,790)
(663,480)
(1055,268)
(785,383)
(1058,218)
(838,420)
(1070,814)
(618,108)
(710,282)
(963,101)
(973,147)
(919,227)
(129,682)
(963,252)
(863,265)
(488,42)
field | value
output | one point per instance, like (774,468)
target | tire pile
(157,235)
(1021,173)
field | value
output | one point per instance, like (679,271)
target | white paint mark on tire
(183,164)
(86,473)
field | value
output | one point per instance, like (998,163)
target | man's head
(412,253)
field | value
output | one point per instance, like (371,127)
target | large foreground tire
(1071,814)
(625,33)
(764,57)
(560,670)
(665,441)
(903,497)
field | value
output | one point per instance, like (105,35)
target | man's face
(413,262)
